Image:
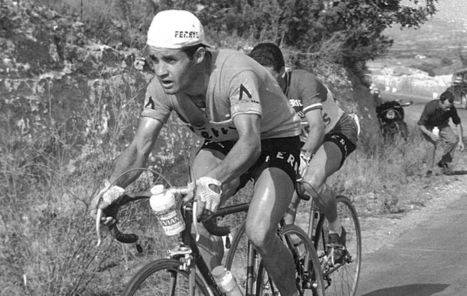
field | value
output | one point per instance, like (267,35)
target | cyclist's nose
(160,69)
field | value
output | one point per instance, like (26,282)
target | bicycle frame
(188,239)
(315,223)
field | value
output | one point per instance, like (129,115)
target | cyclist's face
(172,67)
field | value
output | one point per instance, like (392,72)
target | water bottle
(226,281)
(165,207)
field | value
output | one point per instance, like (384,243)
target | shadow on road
(409,290)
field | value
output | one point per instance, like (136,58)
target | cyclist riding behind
(249,131)
(328,136)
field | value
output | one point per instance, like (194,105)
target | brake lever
(195,219)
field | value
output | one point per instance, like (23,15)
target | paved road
(431,258)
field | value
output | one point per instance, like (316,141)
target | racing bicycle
(185,272)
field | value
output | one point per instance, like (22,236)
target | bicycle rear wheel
(309,275)
(240,258)
(342,278)
(163,277)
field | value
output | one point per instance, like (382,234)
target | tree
(345,31)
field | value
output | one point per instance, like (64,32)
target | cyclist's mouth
(167,83)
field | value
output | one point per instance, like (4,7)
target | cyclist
(249,131)
(328,136)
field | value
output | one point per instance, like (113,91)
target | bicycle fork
(184,254)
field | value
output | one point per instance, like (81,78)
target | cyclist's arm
(316,131)
(136,154)
(426,131)
(427,111)
(245,151)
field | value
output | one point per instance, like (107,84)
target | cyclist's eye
(153,58)
(169,60)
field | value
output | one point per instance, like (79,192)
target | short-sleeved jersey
(433,115)
(237,85)
(305,92)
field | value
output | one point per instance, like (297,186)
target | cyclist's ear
(199,55)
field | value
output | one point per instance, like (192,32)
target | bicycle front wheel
(163,277)
(341,278)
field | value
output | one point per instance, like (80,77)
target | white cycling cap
(175,29)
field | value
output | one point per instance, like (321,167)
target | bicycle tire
(316,274)
(139,285)
(265,285)
(342,280)
(239,251)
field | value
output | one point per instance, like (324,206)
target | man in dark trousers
(435,117)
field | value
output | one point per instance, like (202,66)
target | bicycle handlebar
(129,238)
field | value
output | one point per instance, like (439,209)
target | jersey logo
(243,90)
(150,104)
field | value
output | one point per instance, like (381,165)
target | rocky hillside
(50,72)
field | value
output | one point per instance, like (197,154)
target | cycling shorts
(344,135)
(282,153)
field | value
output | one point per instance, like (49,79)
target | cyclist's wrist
(306,155)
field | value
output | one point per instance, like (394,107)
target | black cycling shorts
(282,153)
(345,145)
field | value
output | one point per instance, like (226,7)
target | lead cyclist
(328,136)
(249,131)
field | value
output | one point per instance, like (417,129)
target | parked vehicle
(391,119)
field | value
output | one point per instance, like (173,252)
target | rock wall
(52,77)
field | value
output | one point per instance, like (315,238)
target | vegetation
(345,31)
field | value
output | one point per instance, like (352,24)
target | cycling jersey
(237,85)
(305,92)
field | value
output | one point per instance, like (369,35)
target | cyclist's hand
(434,137)
(105,198)
(208,194)
(460,145)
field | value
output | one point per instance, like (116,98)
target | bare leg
(211,247)
(273,191)
(324,163)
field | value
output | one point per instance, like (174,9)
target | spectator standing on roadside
(435,116)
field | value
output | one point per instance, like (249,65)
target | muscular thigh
(272,193)
(274,175)
(326,161)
